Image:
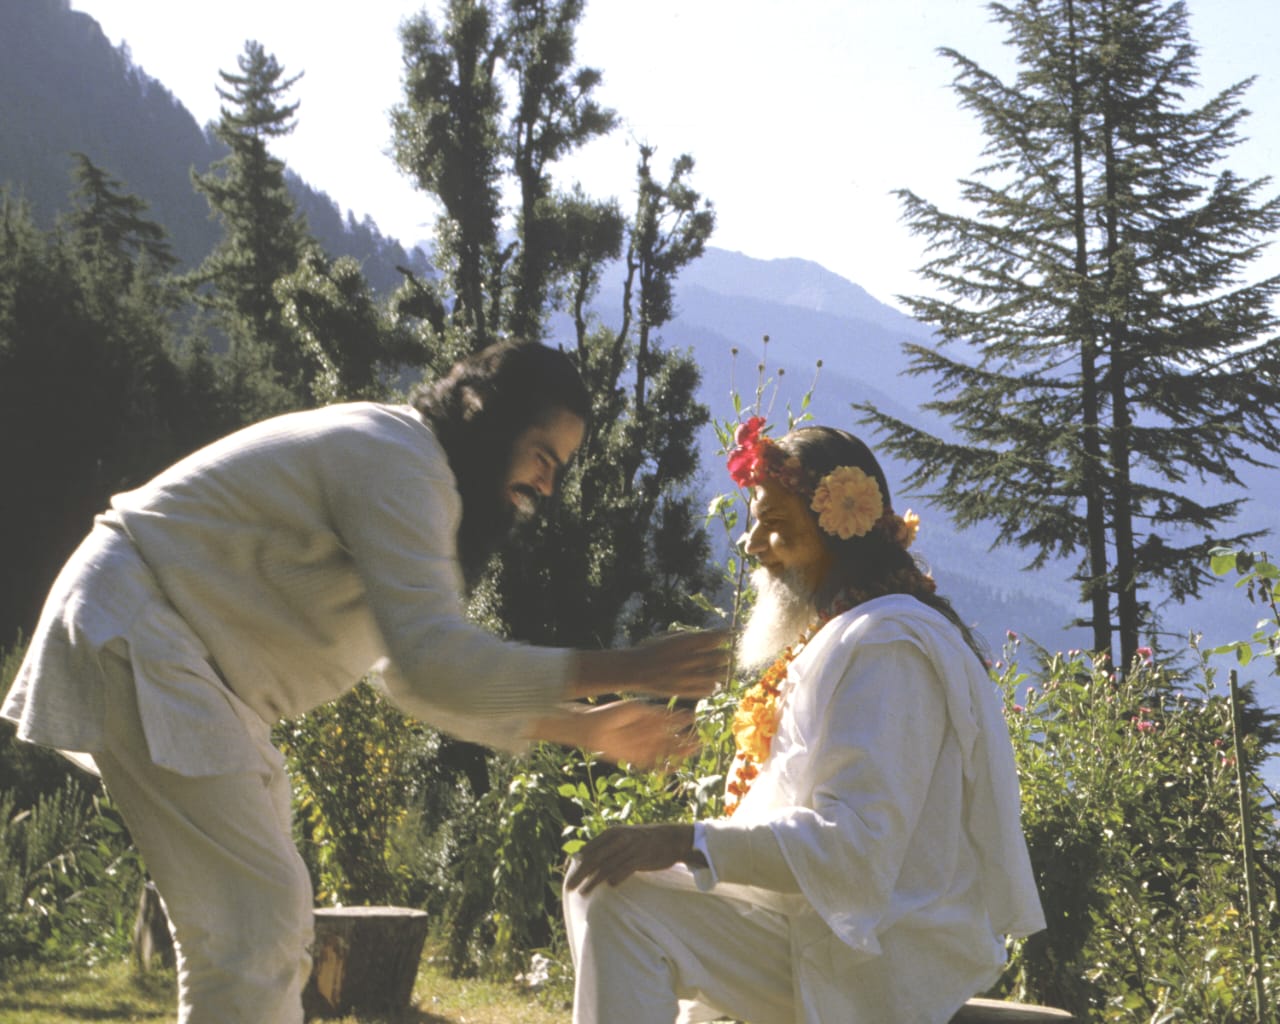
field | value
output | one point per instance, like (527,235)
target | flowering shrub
(1130,809)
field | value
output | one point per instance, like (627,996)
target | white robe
(884,824)
(266,574)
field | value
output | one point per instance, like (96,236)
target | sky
(803,116)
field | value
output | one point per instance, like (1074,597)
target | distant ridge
(64,89)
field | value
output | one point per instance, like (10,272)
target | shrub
(1129,788)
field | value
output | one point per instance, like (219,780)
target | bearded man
(872,859)
(267,574)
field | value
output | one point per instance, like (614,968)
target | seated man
(872,860)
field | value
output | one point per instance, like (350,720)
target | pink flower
(1145,654)
(1145,725)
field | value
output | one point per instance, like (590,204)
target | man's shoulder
(892,619)
(893,614)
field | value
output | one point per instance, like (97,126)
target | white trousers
(646,953)
(220,850)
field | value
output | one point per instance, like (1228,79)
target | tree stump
(996,1011)
(364,959)
(151,936)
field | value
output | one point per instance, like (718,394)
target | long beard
(784,609)
(487,520)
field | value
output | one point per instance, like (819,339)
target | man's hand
(643,735)
(671,665)
(617,853)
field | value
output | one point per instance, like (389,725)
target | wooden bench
(998,1011)
(995,1011)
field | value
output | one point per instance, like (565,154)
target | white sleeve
(399,522)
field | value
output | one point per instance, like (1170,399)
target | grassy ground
(117,994)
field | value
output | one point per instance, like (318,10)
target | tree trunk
(364,959)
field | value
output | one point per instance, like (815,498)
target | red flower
(745,458)
(748,433)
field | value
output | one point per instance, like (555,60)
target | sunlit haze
(802,116)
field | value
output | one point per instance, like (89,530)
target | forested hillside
(65,89)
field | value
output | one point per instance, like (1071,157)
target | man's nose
(749,542)
(544,482)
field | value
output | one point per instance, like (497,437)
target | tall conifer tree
(1118,359)
(264,237)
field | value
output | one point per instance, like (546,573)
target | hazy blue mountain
(728,301)
(64,88)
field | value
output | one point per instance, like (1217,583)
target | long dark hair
(874,564)
(477,411)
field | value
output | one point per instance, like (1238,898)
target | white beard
(784,609)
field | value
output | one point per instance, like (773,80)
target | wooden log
(151,936)
(996,1011)
(364,959)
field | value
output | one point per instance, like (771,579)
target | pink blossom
(1145,654)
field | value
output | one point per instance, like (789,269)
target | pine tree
(263,236)
(111,223)
(1117,357)
(358,346)
(624,555)
(91,399)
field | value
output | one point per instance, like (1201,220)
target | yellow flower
(908,527)
(848,502)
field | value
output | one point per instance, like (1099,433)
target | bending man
(267,574)
(872,860)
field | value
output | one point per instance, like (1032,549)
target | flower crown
(847,500)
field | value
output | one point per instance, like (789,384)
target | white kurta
(281,563)
(884,826)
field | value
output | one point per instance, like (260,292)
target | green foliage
(1129,806)
(353,764)
(263,238)
(1260,579)
(68,876)
(1113,354)
(355,350)
(86,318)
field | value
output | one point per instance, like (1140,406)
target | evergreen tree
(359,348)
(111,223)
(447,138)
(624,555)
(263,236)
(555,115)
(91,399)
(1119,359)
(620,554)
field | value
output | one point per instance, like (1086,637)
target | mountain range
(64,88)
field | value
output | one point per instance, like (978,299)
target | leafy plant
(1129,805)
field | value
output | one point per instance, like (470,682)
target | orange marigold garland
(756,720)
